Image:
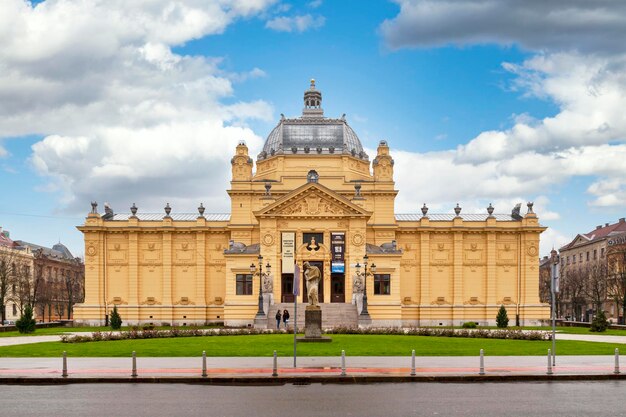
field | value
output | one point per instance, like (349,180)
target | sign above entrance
(288,248)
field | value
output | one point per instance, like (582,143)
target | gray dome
(312,133)
(59,247)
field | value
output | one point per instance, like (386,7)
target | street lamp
(364,312)
(260,313)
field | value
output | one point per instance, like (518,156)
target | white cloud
(124,117)
(299,23)
(534,24)
(579,64)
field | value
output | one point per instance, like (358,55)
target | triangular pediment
(313,200)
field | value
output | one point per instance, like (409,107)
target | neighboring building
(585,269)
(316,197)
(59,281)
(16,273)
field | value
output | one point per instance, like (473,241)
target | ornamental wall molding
(150,301)
(117,301)
(184,301)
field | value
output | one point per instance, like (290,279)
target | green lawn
(264,345)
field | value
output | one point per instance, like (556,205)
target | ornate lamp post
(364,312)
(260,314)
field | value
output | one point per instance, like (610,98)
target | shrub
(469,325)
(26,323)
(502,319)
(116,319)
(599,323)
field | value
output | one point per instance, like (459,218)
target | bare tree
(573,289)
(73,288)
(44,297)
(617,280)
(596,283)
(8,265)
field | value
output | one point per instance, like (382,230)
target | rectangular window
(14,310)
(587,256)
(568,260)
(595,254)
(601,252)
(382,284)
(580,257)
(244,284)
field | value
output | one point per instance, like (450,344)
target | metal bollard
(204,374)
(549,362)
(134,373)
(413,362)
(482,363)
(275,369)
(64,373)
(616,371)
(343,363)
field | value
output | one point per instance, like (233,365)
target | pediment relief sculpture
(312,206)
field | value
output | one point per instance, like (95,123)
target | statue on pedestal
(268,291)
(357,291)
(312,276)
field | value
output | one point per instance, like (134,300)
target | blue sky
(132,103)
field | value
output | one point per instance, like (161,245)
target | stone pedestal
(313,322)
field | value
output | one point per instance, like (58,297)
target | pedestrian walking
(286,317)
(278,319)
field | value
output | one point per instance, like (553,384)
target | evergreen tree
(502,319)
(599,323)
(26,323)
(116,319)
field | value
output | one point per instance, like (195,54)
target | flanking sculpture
(357,291)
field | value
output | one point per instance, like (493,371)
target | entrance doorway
(320,287)
(337,288)
(286,288)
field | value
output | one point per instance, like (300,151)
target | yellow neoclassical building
(314,195)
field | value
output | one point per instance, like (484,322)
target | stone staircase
(333,315)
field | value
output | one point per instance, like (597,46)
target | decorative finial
(94,207)
(457,209)
(490,210)
(530,206)
(268,187)
(313,83)
(424,210)
(168,210)
(133,210)
(201,210)
(357,190)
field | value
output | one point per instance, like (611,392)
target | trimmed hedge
(412,331)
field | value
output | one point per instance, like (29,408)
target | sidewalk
(259,370)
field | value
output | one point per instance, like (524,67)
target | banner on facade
(337,268)
(338,246)
(288,248)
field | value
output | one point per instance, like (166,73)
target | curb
(300,380)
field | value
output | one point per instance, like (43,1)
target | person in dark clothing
(286,317)
(278,319)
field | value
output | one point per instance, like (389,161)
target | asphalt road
(569,399)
